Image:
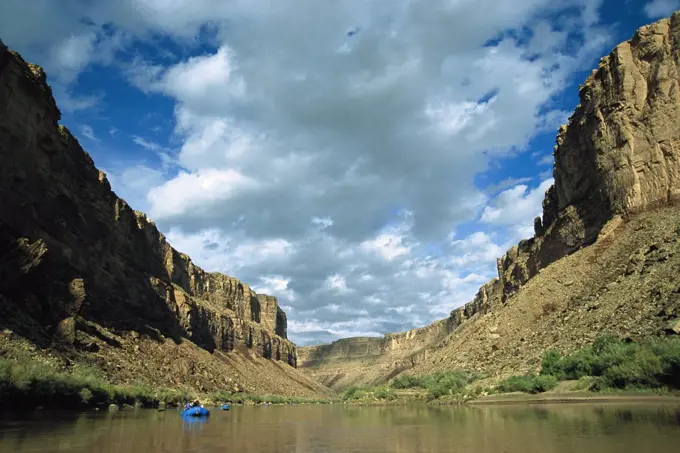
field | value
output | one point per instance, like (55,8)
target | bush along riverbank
(30,384)
(412,388)
(610,365)
(245,398)
(614,364)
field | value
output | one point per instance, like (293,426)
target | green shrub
(34,383)
(447,383)
(585,383)
(172,397)
(528,384)
(552,364)
(619,364)
(86,395)
(350,393)
(222,396)
(544,383)
(407,382)
(384,393)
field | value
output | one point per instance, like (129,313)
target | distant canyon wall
(394,345)
(361,360)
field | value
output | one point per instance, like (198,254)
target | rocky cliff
(77,264)
(369,359)
(618,157)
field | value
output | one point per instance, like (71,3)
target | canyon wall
(618,156)
(373,360)
(360,360)
(72,253)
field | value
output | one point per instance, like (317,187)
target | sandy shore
(573,397)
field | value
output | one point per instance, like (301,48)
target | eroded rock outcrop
(618,155)
(72,252)
(340,350)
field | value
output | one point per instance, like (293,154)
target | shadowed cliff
(82,272)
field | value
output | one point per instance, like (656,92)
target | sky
(365,162)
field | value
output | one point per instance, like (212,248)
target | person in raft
(195,403)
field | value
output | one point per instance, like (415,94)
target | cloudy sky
(364,161)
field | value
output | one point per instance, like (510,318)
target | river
(578,428)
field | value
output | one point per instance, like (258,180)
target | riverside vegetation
(29,383)
(610,364)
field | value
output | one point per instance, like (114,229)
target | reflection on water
(338,429)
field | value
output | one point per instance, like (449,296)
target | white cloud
(656,9)
(276,284)
(140,179)
(516,208)
(88,132)
(236,255)
(202,80)
(453,117)
(322,222)
(151,146)
(337,283)
(134,182)
(389,246)
(201,190)
(332,179)
(476,248)
(73,54)
(69,102)
(546,160)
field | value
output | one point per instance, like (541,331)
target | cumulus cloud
(335,171)
(87,132)
(661,8)
(516,208)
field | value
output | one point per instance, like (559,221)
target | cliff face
(72,253)
(369,359)
(618,157)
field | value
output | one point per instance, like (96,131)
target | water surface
(337,429)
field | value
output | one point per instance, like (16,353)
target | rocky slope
(90,279)
(617,178)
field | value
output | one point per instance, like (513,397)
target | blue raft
(195,412)
(226,407)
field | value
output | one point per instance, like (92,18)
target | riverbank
(552,397)
(574,398)
(28,384)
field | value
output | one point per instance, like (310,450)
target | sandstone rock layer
(619,154)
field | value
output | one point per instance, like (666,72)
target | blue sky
(367,181)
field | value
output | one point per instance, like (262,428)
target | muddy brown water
(582,428)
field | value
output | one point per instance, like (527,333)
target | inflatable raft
(195,412)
